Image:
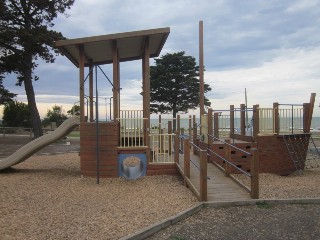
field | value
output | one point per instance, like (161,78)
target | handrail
(239,149)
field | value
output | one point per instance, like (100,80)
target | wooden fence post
(176,147)
(254,174)
(210,127)
(243,119)
(255,122)
(276,123)
(216,124)
(227,157)
(178,124)
(232,121)
(169,137)
(203,176)
(190,126)
(186,152)
(306,111)
(195,135)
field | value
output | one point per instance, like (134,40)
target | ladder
(313,157)
(297,146)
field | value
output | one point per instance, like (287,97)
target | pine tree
(25,37)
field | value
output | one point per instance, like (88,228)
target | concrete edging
(154,228)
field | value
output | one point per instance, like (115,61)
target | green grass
(74,134)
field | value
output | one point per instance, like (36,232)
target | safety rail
(254,165)
(132,132)
(202,194)
(161,148)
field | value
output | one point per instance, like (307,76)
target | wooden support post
(146,90)
(210,127)
(186,152)
(91,91)
(178,124)
(169,137)
(232,121)
(276,122)
(312,99)
(203,176)
(176,147)
(255,122)
(254,174)
(306,111)
(216,124)
(190,126)
(201,68)
(194,135)
(81,82)
(227,153)
(242,119)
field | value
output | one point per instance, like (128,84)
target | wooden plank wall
(108,144)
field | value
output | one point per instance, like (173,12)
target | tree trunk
(35,117)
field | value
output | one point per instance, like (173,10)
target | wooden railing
(202,194)
(228,165)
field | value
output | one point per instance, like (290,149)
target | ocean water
(184,123)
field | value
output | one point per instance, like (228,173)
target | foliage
(16,114)
(54,115)
(5,95)
(74,111)
(174,84)
(26,37)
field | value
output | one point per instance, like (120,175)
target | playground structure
(105,145)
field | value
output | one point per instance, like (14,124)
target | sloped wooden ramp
(219,186)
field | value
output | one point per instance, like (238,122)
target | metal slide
(32,147)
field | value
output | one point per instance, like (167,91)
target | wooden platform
(220,187)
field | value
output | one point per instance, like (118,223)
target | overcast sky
(271,48)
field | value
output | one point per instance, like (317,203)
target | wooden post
(146,90)
(194,135)
(116,80)
(306,111)
(91,91)
(255,122)
(232,121)
(276,122)
(227,151)
(242,119)
(190,126)
(254,174)
(186,152)
(203,176)
(178,124)
(312,99)
(169,137)
(201,68)
(210,127)
(216,124)
(81,82)
(176,147)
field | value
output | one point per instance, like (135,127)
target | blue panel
(141,156)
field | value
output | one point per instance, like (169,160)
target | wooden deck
(220,187)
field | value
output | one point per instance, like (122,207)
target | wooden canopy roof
(98,49)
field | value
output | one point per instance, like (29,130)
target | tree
(174,84)
(54,115)
(74,111)
(5,95)
(25,37)
(16,114)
